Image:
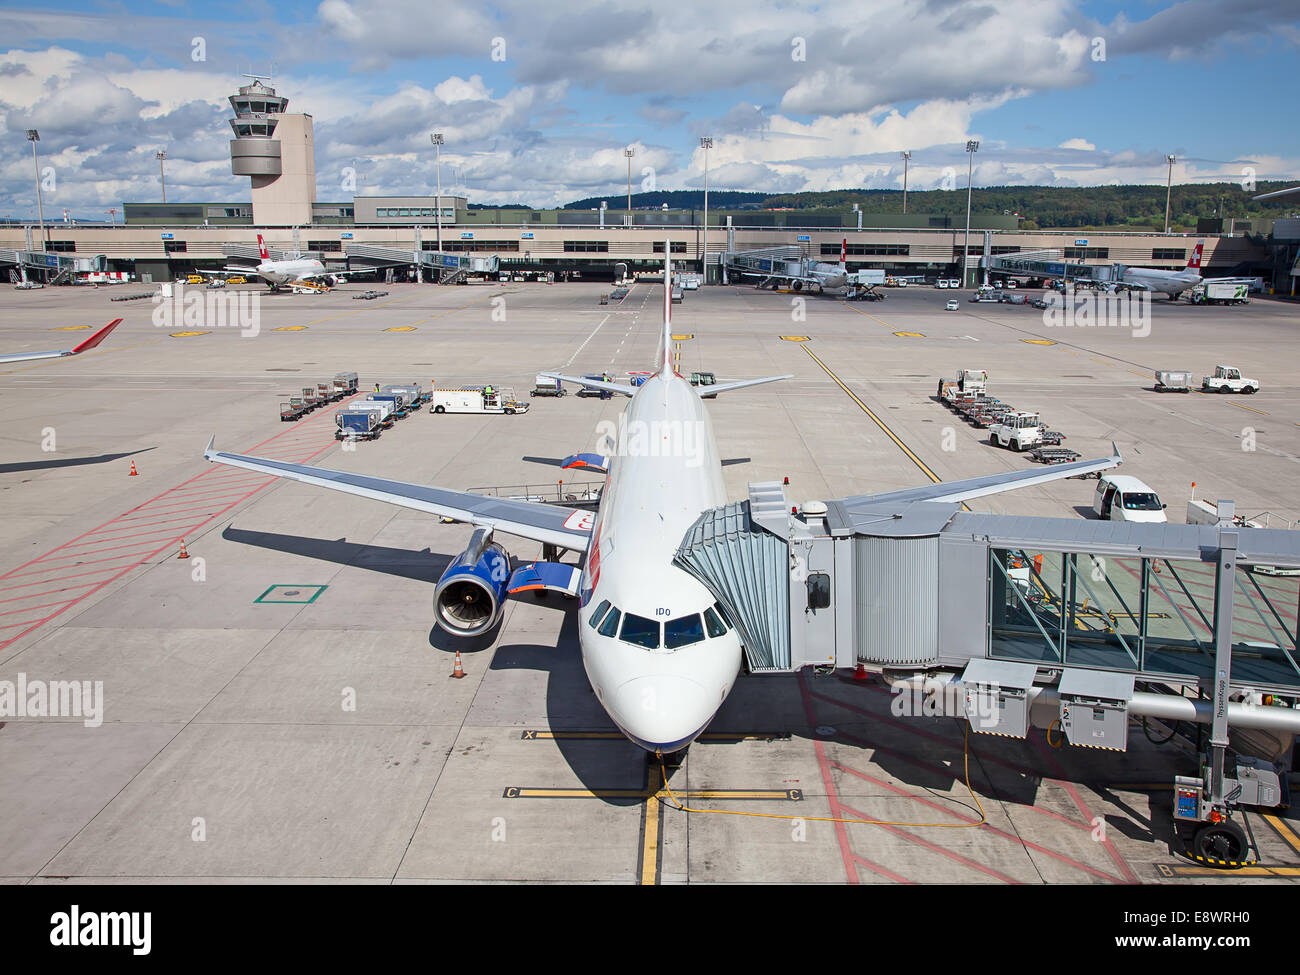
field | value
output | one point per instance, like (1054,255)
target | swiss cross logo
(580,521)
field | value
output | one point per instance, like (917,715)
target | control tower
(276,151)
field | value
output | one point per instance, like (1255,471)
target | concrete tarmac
(277,706)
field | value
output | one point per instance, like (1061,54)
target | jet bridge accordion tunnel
(1013,622)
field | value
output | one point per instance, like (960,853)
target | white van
(1123,498)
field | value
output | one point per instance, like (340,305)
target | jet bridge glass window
(819,590)
(597,616)
(683,631)
(640,632)
(610,626)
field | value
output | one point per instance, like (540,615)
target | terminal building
(412,235)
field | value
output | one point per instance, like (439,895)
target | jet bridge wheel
(1221,845)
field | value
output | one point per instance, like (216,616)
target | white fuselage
(1170,283)
(829,275)
(286,272)
(660,481)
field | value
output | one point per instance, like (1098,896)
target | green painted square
(291,594)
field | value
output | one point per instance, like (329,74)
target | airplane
(660,650)
(1171,283)
(816,274)
(293,271)
(85,346)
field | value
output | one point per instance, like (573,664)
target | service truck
(1220,293)
(1019,430)
(1228,379)
(477,399)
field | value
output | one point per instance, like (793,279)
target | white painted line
(579,349)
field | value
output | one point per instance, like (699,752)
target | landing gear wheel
(1221,844)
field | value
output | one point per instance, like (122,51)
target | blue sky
(538,100)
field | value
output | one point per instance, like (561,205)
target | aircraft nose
(663,712)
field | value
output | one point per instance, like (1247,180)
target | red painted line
(172,520)
(128,537)
(986,827)
(877,868)
(828,781)
(1129,875)
(935,847)
(46,582)
(48,592)
(74,565)
(111,548)
(27,609)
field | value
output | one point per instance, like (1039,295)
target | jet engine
(470,594)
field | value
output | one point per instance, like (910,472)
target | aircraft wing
(739,384)
(569,528)
(593,383)
(978,487)
(90,343)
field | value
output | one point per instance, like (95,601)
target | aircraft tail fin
(844,252)
(665,363)
(1194,262)
(261,248)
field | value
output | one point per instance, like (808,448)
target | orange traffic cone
(459,671)
(134,472)
(184,554)
(861,673)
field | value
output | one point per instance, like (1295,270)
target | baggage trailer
(326,392)
(1173,381)
(312,397)
(383,407)
(295,409)
(401,402)
(547,386)
(345,383)
(359,422)
(477,399)
(414,393)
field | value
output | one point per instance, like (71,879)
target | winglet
(207,451)
(98,337)
(1114,449)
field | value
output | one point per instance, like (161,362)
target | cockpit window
(640,632)
(683,631)
(723,614)
(610,626)
(713,624)
(600,612)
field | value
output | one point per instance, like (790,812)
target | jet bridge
(1049,264)
(1017,622)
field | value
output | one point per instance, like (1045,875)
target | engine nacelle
(470,594)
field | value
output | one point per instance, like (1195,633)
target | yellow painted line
(878,421)
(69,328)
(182,335)
(401,328)
(570,735)
(1038,342)
(794,338)
(910,335)
(290,328)
(1284,830)
(531,735)
(1242,406)
(1136,373)
(1227,872)
(654,812)
(878,321)
(684,337)
(1104,362)
(517,792)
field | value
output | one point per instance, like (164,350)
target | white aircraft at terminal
(289,271)
(803,272)
(1171,283)
(660,651)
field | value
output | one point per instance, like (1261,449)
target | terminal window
(1168,254)
(679,247)
(61,245)
(586,246)
(1083,253)
(867,250)
(174,246)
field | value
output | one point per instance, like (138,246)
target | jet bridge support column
(1222,653)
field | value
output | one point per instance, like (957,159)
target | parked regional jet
(85,346)
(1171,283)
(660,651)
(804,272)
(295,270)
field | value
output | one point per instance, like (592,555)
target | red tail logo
(844,250)
(1195,263)
(261,248)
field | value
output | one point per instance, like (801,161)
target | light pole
(436,139)
(162,175)
(34,137)
(907,154)
(629,152)
(972,147)
(1169,188)
(706,143)
(112,215)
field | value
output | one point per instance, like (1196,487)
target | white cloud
(1077,144)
